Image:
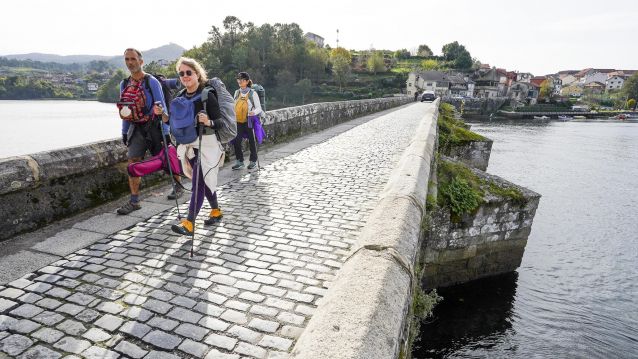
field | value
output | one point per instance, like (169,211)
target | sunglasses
(186,73)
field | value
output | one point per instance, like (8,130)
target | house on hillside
(523,92)
(575,89)
(435,81)
(537,80)
(523,77)
(461,85)
(594,88)
(486,83)
(597,75)
(314,38)
(614,83)
(555,83)
(567,79)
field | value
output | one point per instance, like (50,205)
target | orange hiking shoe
(185,228)
(214,218)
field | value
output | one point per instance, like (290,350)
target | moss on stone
(453,131)
(507,192)
(463,191)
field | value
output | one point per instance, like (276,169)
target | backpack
(182,116)
(182,121)
(261,93)
(132,102)
(228,130)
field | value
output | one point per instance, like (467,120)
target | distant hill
(168,52)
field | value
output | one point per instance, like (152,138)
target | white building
(614,83)
(595,77)
(434,81)
(314,38)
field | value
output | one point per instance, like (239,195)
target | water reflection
(472,315)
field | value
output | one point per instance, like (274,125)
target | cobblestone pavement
(253,284)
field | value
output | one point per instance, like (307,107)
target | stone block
(221,341)
(72,345)
(135,329)
(131,350)
(40,352)
(162,340)
(95,352)
(68,241)
(15,344)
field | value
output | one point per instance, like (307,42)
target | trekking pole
(200,130)
(168,163)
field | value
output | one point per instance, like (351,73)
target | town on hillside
(600,87)
(316,72)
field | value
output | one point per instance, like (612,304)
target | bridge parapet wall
(40,188)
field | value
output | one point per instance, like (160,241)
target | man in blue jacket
(142,137)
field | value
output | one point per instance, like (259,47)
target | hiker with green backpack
(247,106)
(200,126)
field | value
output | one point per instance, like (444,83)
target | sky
(537,36)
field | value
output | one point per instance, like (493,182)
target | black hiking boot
(176,193)
(128,208)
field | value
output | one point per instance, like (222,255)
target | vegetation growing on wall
(453,131)
(422,306)
(463,191)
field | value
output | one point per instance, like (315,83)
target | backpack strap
(205,93)
(250,98)
(124,83)
(236,95)
(147,83)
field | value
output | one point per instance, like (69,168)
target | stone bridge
(314,257)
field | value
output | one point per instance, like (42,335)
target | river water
(34,126)
(576,292)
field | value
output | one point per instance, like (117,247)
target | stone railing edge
(18,173)
(364,313)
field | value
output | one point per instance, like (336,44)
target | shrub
(461,197)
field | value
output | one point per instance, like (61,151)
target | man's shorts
(142,138)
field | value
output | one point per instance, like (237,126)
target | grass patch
(463,191)
(453,131)
(507,192)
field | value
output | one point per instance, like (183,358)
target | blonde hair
(193,64)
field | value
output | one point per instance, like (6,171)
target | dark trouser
(244,130)
(197,199)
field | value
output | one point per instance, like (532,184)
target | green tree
(457,55)
(631,103)
(110,90)
(285,83)
(402,54)
(340,59)
(375,62)
(424,50)
(155,67)
(317,61)
(546,89)
(630,88)
(303,87)
(430,64)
